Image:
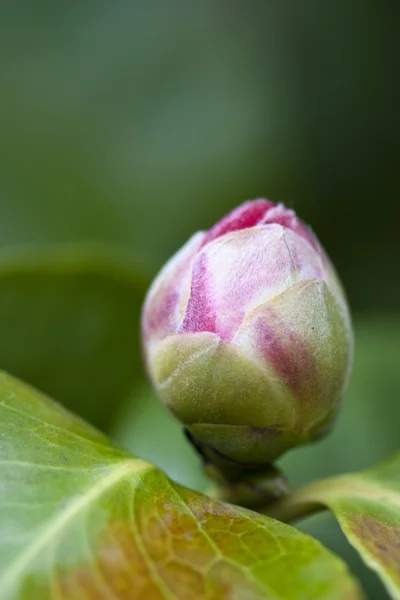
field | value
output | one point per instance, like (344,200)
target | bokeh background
(135,124)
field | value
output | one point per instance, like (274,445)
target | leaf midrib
(61,520)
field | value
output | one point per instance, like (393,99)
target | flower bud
(247,335)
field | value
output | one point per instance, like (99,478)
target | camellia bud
(247,335)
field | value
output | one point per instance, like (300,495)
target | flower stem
(305,501)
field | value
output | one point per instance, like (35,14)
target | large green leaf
(148,429)
(69,323)
(367,506)
(82,519)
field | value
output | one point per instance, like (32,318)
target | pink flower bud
(247,335)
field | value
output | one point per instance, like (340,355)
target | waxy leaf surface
(367,506)
(81,519)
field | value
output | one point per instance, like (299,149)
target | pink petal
(166,300)
(261,212)
(247,215)
(237,272)
(281,215)
(200,313)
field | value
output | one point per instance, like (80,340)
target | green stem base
(251,486)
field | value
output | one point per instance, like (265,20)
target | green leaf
(367,506)
(69,322)
(147,428)
(83,519)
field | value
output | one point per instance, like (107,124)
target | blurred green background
(136,123)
